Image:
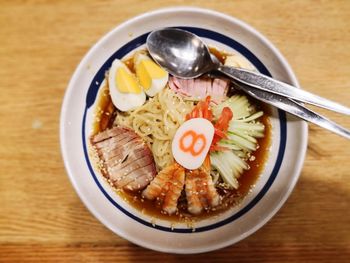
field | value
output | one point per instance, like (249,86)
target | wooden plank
(41,216)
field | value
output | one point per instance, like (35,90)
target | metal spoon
(185,55)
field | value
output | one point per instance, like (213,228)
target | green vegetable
(243,131)
(229,165)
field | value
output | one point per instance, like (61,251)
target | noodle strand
(157,121)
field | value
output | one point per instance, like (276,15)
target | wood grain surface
(41,216)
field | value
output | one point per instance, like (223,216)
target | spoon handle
(265,83)
(295,108)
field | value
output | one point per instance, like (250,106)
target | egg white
(156,84)
(123,101)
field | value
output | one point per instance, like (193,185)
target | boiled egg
(191,142)
(150,75)
(124,88)
(238,61)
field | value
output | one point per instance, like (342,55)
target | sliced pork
(200,190)
(127,162)
(166,187)
(201,87)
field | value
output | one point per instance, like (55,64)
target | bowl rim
(282,60)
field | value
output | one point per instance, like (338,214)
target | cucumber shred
(243,131)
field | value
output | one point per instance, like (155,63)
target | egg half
(124,88)
(192,141)
(150,75)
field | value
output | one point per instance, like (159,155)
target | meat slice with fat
(200,190)
(201,87)
(127,162)
(166,187)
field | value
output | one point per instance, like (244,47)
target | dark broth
(104,116)
(104,112)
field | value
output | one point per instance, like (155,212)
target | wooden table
(41,216)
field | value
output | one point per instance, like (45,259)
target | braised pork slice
(166,187)
(201,87)
(126,159)
(200,190)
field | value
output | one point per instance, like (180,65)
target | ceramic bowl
(281,172)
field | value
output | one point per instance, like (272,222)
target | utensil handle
(296,109)
(262,82)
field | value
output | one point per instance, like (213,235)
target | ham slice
(200,88)
(127,162)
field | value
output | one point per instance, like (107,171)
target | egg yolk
(147,70)
(126,82)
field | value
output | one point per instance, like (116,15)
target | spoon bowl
(180,52)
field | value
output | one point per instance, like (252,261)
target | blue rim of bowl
(137,42)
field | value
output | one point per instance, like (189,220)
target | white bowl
(289,136)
